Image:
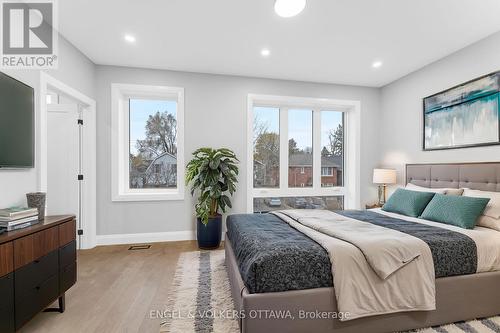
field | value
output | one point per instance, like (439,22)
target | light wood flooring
(116,290)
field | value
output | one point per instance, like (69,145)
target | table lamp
(383,177)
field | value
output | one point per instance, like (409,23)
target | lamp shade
(384,176)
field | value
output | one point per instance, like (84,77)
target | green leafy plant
(213,173)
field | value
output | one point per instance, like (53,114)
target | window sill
(172,196)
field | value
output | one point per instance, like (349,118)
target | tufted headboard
(477,176)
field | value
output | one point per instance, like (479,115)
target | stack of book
(18,217)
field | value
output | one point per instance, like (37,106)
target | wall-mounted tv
(17,124)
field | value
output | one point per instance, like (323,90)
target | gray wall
(215,115)
(401,123)
(76,70)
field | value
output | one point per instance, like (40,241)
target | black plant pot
(209,235)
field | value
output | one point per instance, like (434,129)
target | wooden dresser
(37,266)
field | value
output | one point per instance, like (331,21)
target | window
(147,143)
(332,148)
(300,149)
(266,147)
(264,205)
(326,172)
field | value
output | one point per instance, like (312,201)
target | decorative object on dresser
(37,200)
(463,116)
(17,218)
(383,177)
(37,267)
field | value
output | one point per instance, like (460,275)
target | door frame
(89,196)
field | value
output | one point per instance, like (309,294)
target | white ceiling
(333,41)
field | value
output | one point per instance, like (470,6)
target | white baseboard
(151,237)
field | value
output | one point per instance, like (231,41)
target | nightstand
(373,206)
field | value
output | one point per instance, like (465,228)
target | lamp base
(382,194)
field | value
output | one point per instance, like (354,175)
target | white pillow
(488,222)
(448,191)
(493,208)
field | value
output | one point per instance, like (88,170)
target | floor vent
(139,247)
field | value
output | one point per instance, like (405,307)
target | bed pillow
(406,202)
(488,222)
(447,191)
(493,208)
(460,211)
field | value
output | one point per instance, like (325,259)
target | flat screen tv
(17,124)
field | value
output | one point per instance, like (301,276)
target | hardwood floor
(116,290)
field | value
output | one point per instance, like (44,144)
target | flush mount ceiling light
(289,8)
(129,38)
(377,64)
(265,52)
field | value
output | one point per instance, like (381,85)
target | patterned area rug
(201,300)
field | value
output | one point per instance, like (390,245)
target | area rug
(201,300)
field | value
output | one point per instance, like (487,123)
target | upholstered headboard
(477,176)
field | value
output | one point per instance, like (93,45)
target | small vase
(37,200)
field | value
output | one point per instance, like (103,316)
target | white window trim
(120,93)
(352,113)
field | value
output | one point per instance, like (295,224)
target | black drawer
(42,296)
(7,291)
(67,254)
(67,278)
(7,320)
(29,277)
(7,303)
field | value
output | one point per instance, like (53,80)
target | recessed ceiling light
(265,52)
(289,8)
(377,64)
(130,38)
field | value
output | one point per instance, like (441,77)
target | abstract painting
(464,116)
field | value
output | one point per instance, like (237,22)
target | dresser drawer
(29,277)
(67,254)
(67,278)
(44,294)
(67,232)
(7,303)
(32,247)
(7,291)
(7,324)
(6,258)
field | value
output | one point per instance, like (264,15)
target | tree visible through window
(266,147)
(153,143)
(332,152)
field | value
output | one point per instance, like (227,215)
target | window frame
(120,172)
(351,169)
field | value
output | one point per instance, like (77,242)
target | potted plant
(212,174)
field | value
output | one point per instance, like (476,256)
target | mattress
(272,256)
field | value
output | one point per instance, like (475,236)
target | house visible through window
(297,151)
(147,142)
(153,143)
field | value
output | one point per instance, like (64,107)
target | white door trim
(89,197)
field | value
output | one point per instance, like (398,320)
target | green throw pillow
(406,202)
(460,211)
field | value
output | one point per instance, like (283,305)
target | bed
(270,293)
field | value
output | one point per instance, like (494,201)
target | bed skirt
(458,298)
